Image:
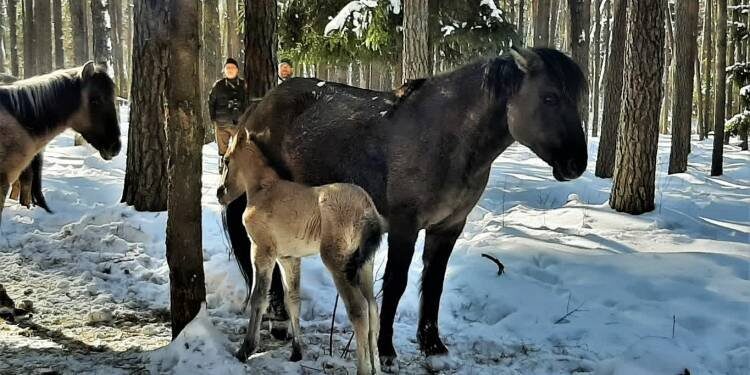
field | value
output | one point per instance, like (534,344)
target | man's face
(230,71)
(285,70)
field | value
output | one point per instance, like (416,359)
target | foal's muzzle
(221,192)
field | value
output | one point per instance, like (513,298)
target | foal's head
(543,111)
(97,116)
(246,169)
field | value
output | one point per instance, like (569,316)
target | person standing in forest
(226,103)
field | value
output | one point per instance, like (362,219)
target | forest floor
(585,289)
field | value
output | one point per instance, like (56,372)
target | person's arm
(212,103)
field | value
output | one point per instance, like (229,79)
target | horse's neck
(40,141)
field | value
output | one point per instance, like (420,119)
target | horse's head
(246,169)
(543,112)
(96,120)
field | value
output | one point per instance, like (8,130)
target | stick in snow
(500,266)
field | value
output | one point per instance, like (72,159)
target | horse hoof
(443,362)
(296,356)
(389,364)
(241,356)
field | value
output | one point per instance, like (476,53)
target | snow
(357,11)
(585,289)
(494,11)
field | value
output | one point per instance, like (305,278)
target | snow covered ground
(585,289)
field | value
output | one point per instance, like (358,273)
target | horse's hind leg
(24,181)
(356,307)
(4,187)
(290,268)
(365,283)
(263,263)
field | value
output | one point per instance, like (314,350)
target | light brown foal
(287,221)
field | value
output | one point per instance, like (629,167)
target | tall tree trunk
(520,24)
(211,60)
(232,25)
(698,92)
(612,88)
(260,43)
(81,34)
(115,16)
(43,38)
(554,14)
(29,39)
(3,29)
(541,22)
(416,52)
(101,32)
(732,44)
(597,42)
(13,25)
(58,34)
(580,19)
(720,93)
(686,50)
(708,53)
(184,141)
(634,180)
(146,170)
(668,74)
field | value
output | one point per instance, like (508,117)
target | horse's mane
(40,103)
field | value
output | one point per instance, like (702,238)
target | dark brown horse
(424,156)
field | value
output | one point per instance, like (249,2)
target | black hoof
(241,356)
(296,356)
(389,364)
(386,348)
(430,344)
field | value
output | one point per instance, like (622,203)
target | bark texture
(638,136)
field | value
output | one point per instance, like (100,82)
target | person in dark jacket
(226,103)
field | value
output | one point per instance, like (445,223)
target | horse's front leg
(263,262)
(437,249)
(401,239)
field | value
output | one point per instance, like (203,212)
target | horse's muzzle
(569,170)
(221,192)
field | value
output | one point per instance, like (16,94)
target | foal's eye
(550,99)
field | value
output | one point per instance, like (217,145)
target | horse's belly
(297,247)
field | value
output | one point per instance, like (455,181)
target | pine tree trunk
(541,22)
(668,74)
(580,20)
(520,24)
(686,50)
(612,88)
(29,39)
(638,136)
(260,43)
(720,93)
(184,144)
(81,35)
(43,29)
(732,44)
(115,16)
(417,59)
(597,41)
(101,32)
(146,170)
(554,14)
(232,25)
(211,60)
(58,34)
(708,53)
(698,92)
(3,29)
(13,26)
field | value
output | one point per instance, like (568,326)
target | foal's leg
(437,249)
(401,239)
(366,281)
(263,263)
(290,268)
(358,313)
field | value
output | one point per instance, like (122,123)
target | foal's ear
(526,60)
(88,70)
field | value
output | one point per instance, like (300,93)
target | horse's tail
(234,229)
(37,197)
(369,242)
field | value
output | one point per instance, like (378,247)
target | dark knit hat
(232,61)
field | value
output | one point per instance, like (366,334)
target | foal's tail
(37,196)
(369,242)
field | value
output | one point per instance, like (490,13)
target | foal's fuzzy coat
(288,220)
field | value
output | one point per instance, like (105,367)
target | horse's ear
(526,60)
(88,70)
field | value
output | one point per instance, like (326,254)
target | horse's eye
(551,99)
